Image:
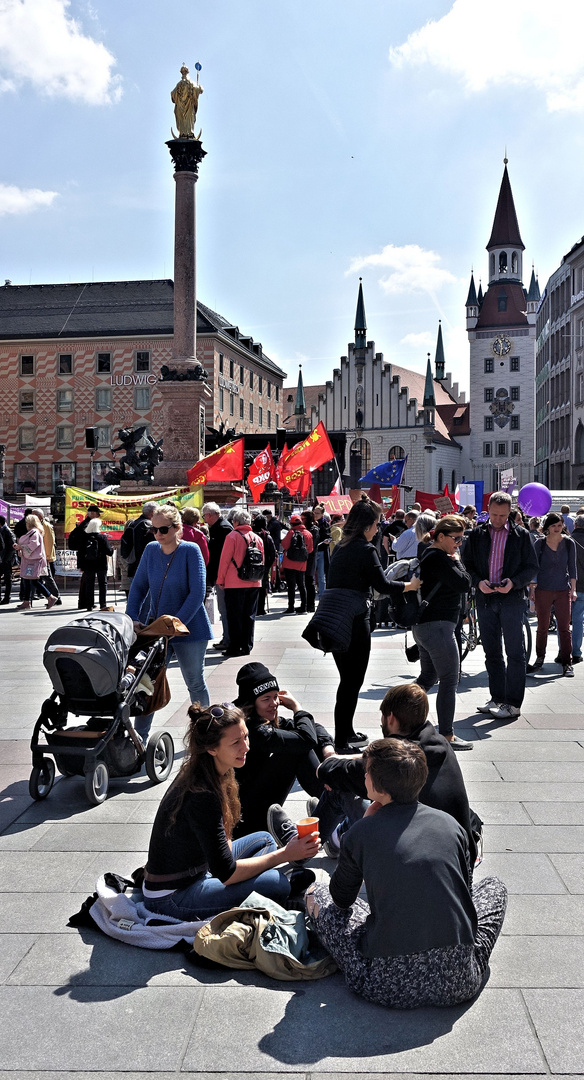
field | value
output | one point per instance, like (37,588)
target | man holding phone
(500,558)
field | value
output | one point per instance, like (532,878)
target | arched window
(453,482)
(359,460)
(514,263)
(503,262)
(396,452)
(579,444)
(492,264)
(440,480)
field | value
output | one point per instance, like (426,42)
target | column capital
(186,155)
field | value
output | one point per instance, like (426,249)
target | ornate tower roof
(439,361)
(471,300)
(533,292)
(300,407)
(429,396)
(360,322)
(505,231)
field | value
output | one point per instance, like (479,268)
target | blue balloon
(534,499)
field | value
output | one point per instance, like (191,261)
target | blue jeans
(577,624)
(439,661)
(191,661)
(501,621)
(319,572)
(208,896)
(334,806)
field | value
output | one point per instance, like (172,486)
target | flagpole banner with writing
(313,451)
(117,510)
(260,471)
(222,466)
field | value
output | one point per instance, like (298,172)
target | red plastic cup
(307,825)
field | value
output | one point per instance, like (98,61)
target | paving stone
(522,873)
(322,1028)
(12,807)
(116,1028)
(535,962)
(555,813)
(571,870)
(94,837)
(504,735)
(558,1017)
(20,837)
(503,813)
(515,792)
(40,871)
(535,915)
(13,948)
(541,772)
(549,838)
(499,751)
(118,862)
(38,913)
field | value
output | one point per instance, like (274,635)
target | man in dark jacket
(136,536)
(219,528)
(500,558)
(77,537)
(7,542)
(578,604)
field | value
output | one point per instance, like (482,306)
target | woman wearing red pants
(555,586)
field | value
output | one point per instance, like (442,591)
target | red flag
(261,470)
(336,490)
(280,466)
(222,465)
(313,451)
(394,499)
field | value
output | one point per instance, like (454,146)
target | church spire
(471,300)
(360,323)
(300,407)
(439,361)
(505,231)
(429,398)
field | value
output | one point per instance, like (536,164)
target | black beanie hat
(253,681)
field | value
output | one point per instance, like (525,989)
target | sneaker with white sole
(506,712)
(280,826)
(488,706)
(311,805)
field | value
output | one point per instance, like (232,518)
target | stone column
(183,385)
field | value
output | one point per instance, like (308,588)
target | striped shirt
(497,552)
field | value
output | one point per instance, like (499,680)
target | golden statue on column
(185,97)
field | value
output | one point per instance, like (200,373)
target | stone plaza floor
(77,1004)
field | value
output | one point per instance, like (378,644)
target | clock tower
(501,332)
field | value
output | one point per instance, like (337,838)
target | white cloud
(528,43)
(41,43)
(14,200)
(422,340)
(414,269)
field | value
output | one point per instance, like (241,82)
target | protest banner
(117,510)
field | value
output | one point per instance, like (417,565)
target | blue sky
(342,140)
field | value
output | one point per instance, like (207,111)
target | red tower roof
(505,231)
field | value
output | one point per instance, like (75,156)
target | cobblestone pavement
(78,1004)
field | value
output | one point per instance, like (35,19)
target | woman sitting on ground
(194,868)
(282,749)
(425,936)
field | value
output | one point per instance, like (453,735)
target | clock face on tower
(501,345)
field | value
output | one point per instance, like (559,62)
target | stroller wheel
(97,783)
(159,756)
(42,779)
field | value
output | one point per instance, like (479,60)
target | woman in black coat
(355,566)
(312,528)
(92,556)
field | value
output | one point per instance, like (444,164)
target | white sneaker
(506,712)
(488,706)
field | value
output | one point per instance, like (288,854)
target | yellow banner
(117,510)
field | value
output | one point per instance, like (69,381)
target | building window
(26,438)
(502,302)
(277,393)
(26,401)
(269,420)
(104,435)
(65,437)
(142,398)
(65,365)
(65,472)
(489,392)
(515,423)
(487,449)
(359,460)
(27,365)
(221,399)
(221,363)
(25,478)
(396,452)
(104,363)
(260,384)
(260,416)
(516,449)
(269,390)
(489,423)
(142,360)
(241,373)
(231,369)
(502,449)
(251,410)
(489,365)
(514,393)
(231,405)
(251,380)
(241,408)
(514,364)
(103,399)
(64,401)
(277,421)
(440,480)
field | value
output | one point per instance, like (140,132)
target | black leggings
(295,578)
(30,585)
(352,667)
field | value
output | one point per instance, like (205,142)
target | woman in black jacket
(281,749)
(312,528)
(435,633)
(355,566)
(260,527)
(92,556)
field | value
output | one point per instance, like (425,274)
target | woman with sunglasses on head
(194,868)
(445,583)
(172,573)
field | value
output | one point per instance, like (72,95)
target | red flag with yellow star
(221,466)
(313,451)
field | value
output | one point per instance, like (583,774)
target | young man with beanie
(282,749)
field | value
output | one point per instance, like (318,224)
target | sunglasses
(217,711)
(164,529)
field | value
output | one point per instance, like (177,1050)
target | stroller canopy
(87,658)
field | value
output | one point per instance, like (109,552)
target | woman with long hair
(33,563)
(194,868)
(555,587)
(445,582)
(355,566)
(172,574)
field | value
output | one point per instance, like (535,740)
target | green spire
(300,407)
(471,300)
(429,399)
(439,361)
(360,323)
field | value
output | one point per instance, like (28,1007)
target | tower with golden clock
(501,333)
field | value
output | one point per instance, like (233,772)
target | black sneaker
(577,659)
(311,805)
(568,671)
(280,826)
(300,880)
(536,666)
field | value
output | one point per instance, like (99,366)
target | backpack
(91,552)
(252,567)
(127,543)
(297,552)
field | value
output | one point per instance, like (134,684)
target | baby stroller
(101,670)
